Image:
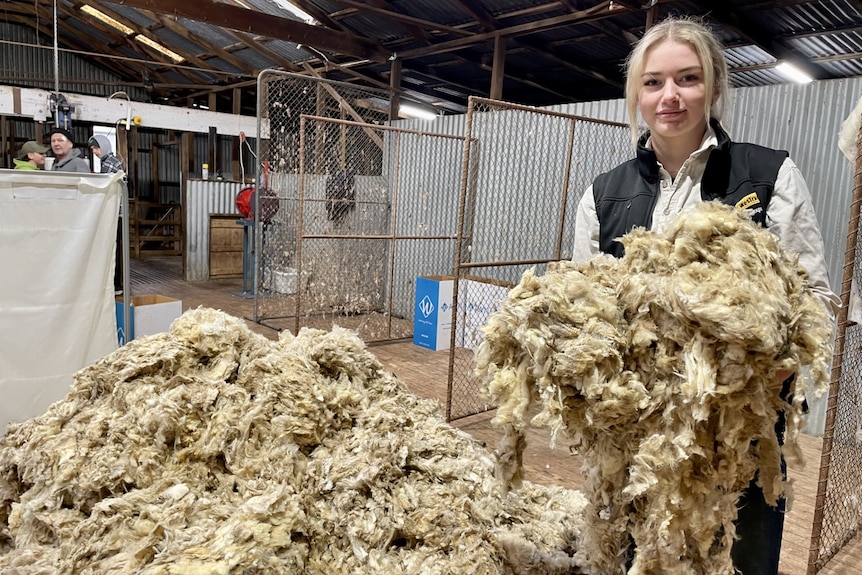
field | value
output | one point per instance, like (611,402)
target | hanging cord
(243,140)
(127,120)
(36,12)
(56,64)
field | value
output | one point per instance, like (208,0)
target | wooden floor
(424,372)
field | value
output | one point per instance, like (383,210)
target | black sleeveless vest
(741,175)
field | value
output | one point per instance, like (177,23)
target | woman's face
(672,98)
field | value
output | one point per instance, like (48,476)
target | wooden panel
(225,246)
(225,264)
(225,235)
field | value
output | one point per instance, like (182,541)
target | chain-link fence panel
(368,210)
(283,100)
(838,508)
(525,170)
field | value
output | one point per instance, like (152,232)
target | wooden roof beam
(252,43)
(597,12)
(157,57)
(477,12)
(179,29)
(403,18)
(244,20)
(28,21)
(318,14)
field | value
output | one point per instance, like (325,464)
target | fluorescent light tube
(793,73)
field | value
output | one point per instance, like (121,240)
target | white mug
(49,162)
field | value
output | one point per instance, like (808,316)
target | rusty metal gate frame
(392,237)
(460,379)
(832,488)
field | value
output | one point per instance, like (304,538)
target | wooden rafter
(70,35)
(244,20)
(477,11)
(71,38)
(177,28)
(253,43)
(110,31)
(415,29)
(549,52)
(318,14)
(403,18)
(598,12)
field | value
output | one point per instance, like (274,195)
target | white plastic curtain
(57,311)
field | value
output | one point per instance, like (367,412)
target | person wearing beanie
(67,158)
(31,156)
(102,149)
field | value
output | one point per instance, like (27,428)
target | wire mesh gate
(351,211)
(524,172)
(838,508)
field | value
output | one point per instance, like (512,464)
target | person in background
(676,77)
(102,149)
(110,163)
(31,156)
(67,158)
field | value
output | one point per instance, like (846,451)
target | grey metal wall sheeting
(204,197)
(802,119)
(805,120)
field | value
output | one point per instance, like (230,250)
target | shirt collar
(710,140)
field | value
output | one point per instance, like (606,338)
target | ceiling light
(413,111)
(104,18)
(159,48)
(297,11)
(793,73)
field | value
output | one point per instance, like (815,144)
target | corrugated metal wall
(803,119)
(204,197)
(806,120)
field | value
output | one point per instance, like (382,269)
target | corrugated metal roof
(254,59)
(552,57)
(288,51)
(136,16)
(210,33)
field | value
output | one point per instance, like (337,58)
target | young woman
(677,80)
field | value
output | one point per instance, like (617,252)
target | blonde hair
(708,49)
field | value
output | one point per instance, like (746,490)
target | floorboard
(425,373)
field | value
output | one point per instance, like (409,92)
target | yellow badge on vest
(748,201)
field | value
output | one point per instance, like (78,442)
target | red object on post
(245,200)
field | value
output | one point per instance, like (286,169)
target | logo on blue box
(426,306)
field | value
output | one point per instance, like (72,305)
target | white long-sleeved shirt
(790,215)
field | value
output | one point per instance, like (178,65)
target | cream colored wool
(213,450)
(661,367)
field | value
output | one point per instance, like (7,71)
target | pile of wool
(213,450)
(661,366)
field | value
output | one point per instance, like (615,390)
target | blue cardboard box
(432,313)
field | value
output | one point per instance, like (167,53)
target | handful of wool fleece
(661,366)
